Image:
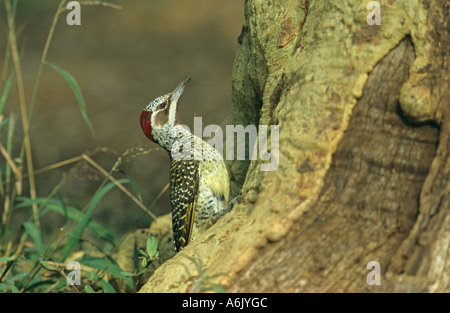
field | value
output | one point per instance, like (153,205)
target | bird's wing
(184,183)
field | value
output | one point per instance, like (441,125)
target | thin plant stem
(44,57)
(119,185)
(14,168)
(7,51)
(103,3)
(98,167)
(23,108)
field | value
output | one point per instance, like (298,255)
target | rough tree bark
(364,169)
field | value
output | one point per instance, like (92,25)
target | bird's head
(161,115)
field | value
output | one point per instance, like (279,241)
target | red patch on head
(146,125)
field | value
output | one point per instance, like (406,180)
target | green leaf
(152,245)
(74,85)
(127,274)
(142,271)
(103,283)
(105,265)
(106,286)
(34,233)
(57,287)
(88,289)
(49,266)
(144,262)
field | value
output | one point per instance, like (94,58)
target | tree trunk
(363,175)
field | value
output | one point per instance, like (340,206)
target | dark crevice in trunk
(369,201)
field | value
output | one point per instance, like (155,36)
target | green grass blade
(35,234)
(5,92)
(3,123)
(102,282)
(107,286)
(11,286)
(75,236)
(49,266)
(74,85)
(134,186)
(98,197)
(105,265)
(68,211)
(9,143)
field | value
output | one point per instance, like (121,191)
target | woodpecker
(198,182)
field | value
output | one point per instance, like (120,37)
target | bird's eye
(162,105)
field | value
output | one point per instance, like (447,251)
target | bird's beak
(176,94)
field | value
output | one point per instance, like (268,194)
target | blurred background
(121,59)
